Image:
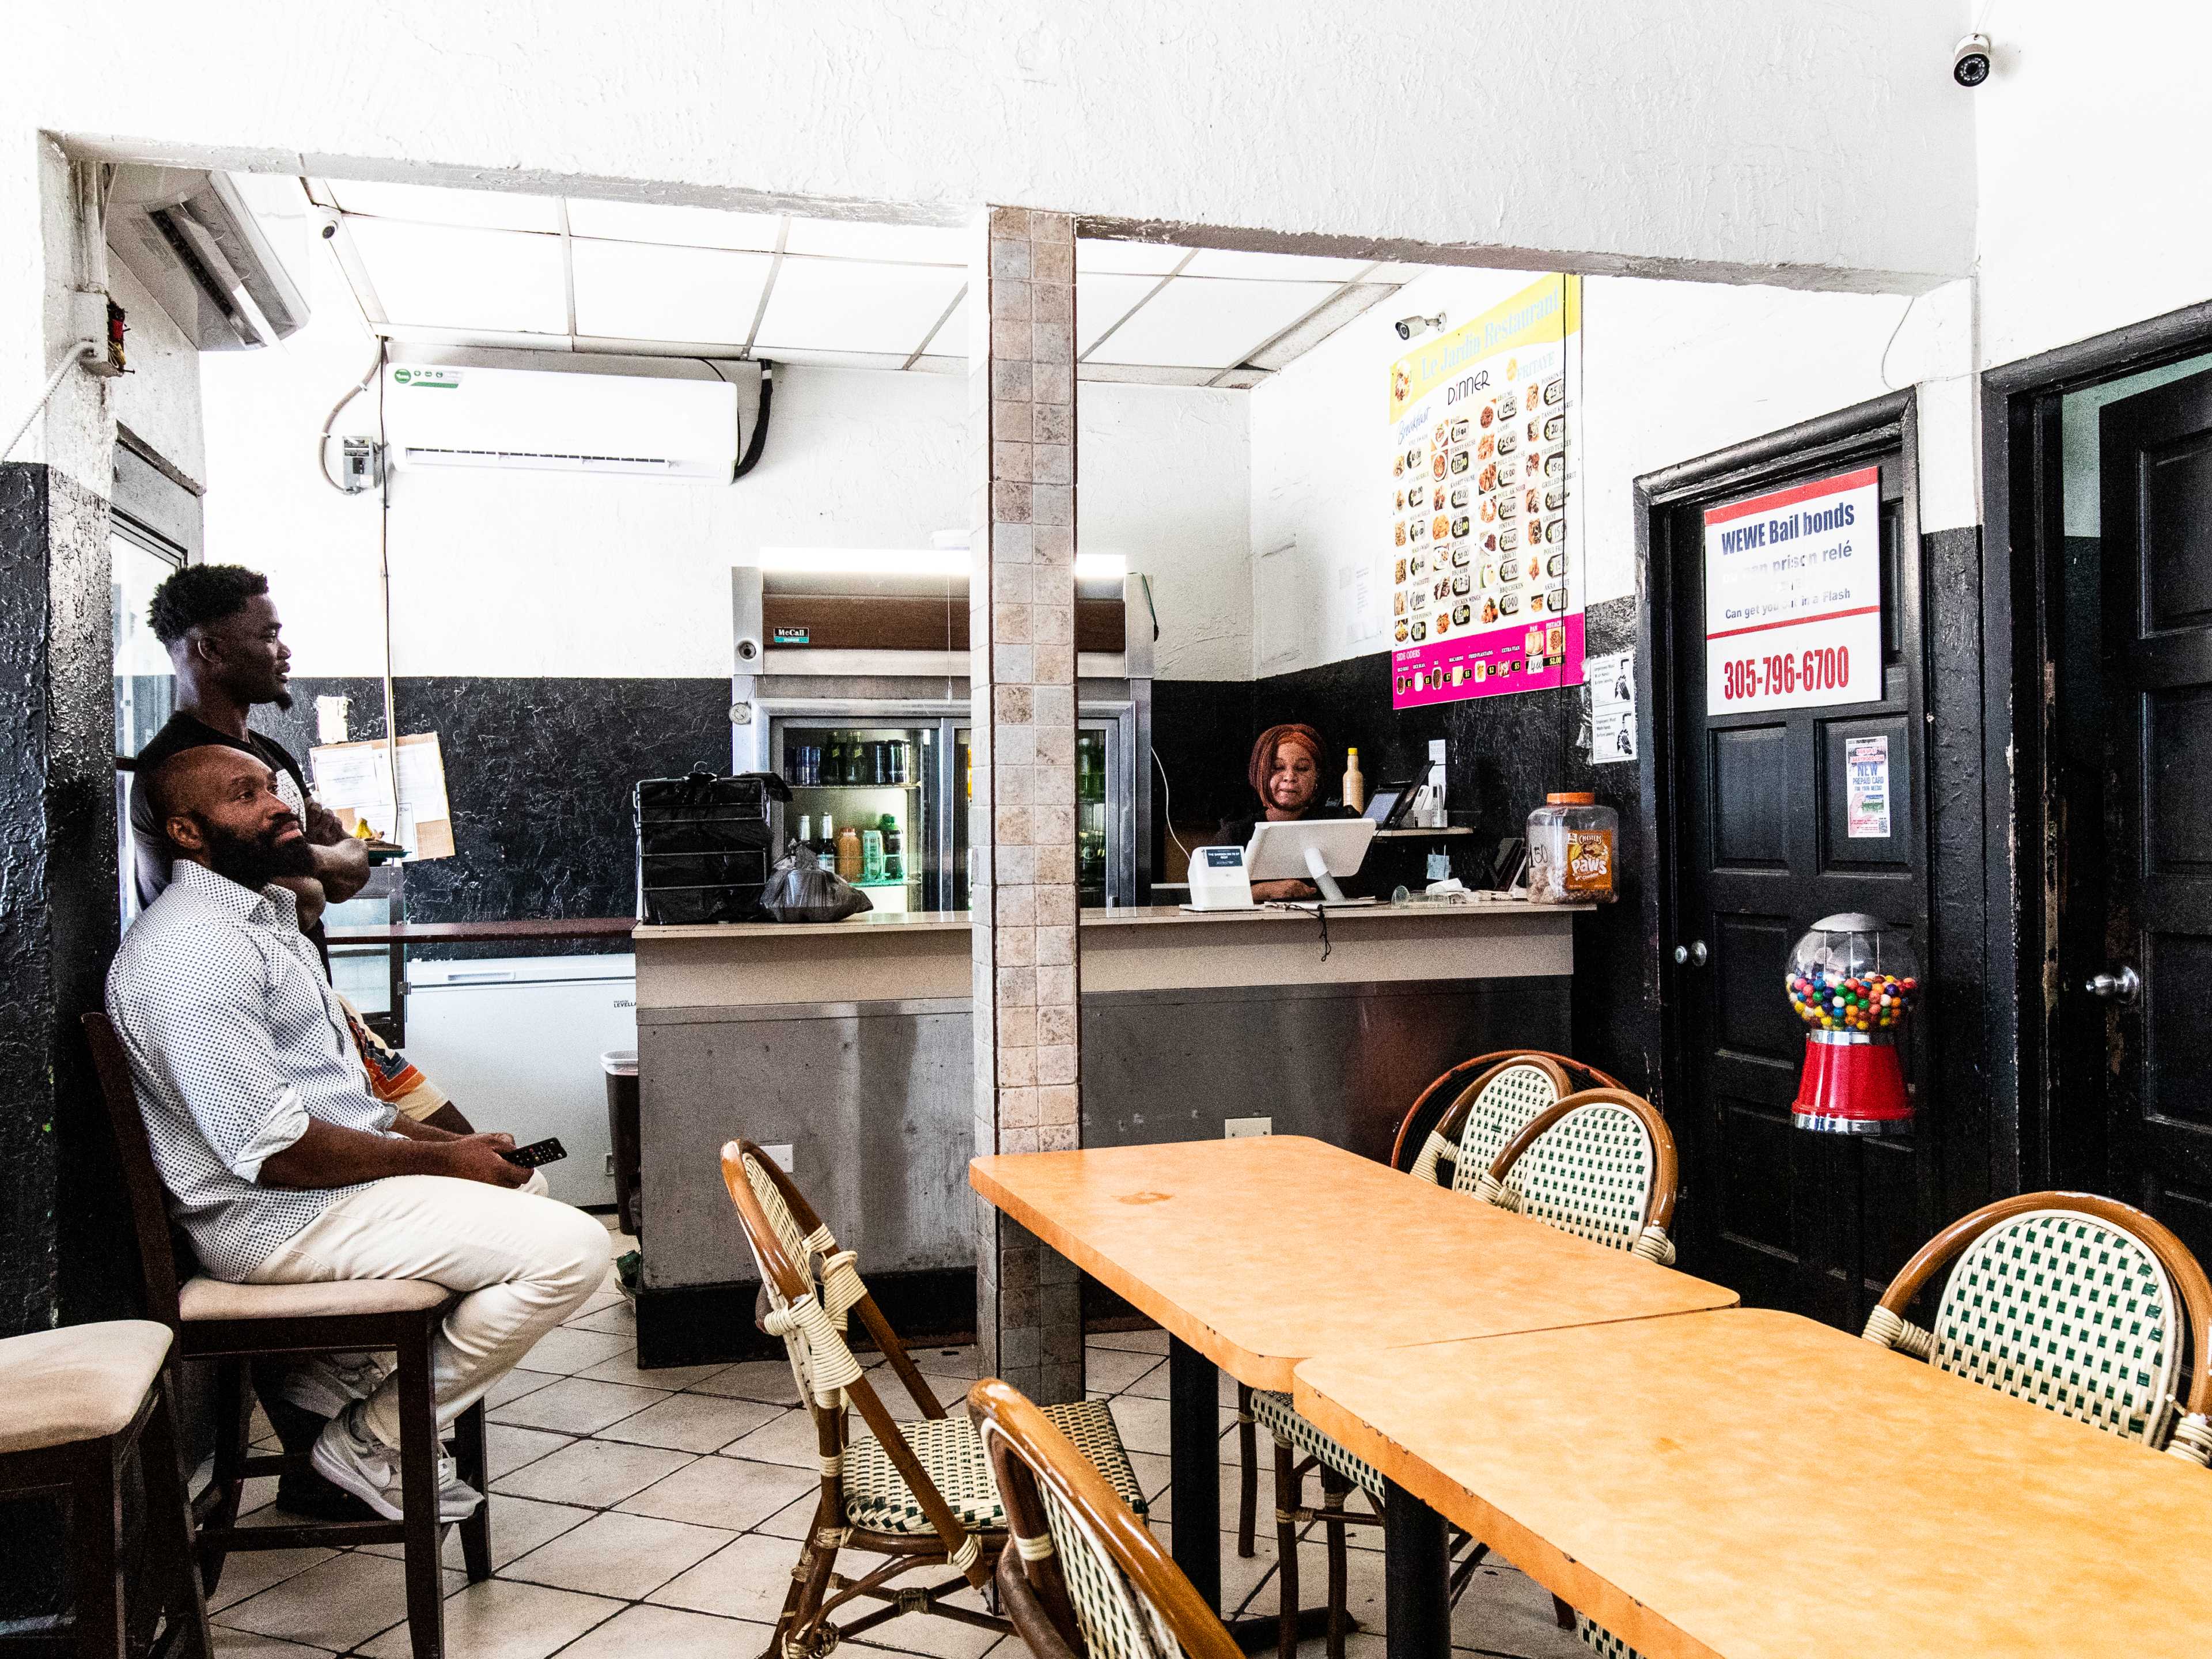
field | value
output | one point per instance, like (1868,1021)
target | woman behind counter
(1286,774)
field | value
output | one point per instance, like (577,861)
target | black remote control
(548,1151)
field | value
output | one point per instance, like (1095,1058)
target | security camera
(1970,60)
(1409,326)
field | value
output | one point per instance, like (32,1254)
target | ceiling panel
(1102,300)
(855,239)
(1132,258)
(434,205)
(660,222)
(1273,267)
(1209,324)
(640,291)
(851,305)
(443,277)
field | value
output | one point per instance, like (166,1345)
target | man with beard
(280,1163)
(224,637)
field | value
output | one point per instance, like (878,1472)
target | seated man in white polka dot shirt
(281,1165)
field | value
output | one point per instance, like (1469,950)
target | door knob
(2123,987)
(1693,953)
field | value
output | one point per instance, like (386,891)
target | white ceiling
(489,268)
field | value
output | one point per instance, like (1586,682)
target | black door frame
(1951,665)
(2023,509)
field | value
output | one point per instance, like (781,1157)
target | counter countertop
(1121,916)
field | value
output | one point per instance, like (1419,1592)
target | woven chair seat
(1599,1640)
(1273,1413)
(952,1454)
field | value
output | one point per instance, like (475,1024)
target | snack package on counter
(802,888)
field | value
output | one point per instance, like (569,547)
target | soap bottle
(1355,783)
(849,852)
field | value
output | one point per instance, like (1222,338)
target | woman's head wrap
(1263,754)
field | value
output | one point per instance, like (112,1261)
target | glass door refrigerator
(1105,812)
(886,780)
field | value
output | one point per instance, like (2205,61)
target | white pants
(524,1262)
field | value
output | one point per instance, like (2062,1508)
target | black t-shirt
(151,856)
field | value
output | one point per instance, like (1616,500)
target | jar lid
(1570,798)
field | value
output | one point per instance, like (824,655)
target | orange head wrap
(1263,754)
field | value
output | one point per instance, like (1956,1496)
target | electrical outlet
(781,1155)
(1236,1129)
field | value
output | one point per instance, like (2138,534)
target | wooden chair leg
(1334,1487)
(233,1416)
(96,1546)
(795,1630)
(170,1527)
(1287,1493)
(418,1486)
(1247,1464)
(473,1466)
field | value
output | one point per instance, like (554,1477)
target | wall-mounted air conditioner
(188,236)
(556,422)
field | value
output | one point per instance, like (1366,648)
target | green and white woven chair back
(813,1326)
(2070,1312)
(1508,1103)
(1117,1621)
(1590,1174)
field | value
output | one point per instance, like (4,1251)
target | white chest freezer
(516,1042)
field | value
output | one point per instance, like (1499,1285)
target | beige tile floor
(653,1512)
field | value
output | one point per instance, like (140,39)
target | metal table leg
(1194,1497)
(1415,1568)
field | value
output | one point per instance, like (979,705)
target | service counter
(849,1044)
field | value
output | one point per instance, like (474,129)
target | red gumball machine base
(1852,1085)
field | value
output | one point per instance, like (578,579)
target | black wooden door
(2154,989)
(1809,1222)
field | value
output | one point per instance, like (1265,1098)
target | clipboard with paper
(355,781)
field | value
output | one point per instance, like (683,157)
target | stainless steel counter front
(850,1043)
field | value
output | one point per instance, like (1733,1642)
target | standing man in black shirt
(226,642)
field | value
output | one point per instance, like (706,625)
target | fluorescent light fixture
(910,562)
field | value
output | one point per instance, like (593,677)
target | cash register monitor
(1310,849)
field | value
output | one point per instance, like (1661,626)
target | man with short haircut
(227,644)
(280,1163)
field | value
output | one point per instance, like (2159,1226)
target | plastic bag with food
(802,888)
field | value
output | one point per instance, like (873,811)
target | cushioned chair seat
(952,1454)
(1273,1413)
(79,1382)
(204,1298)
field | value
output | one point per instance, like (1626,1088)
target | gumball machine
(1853,982)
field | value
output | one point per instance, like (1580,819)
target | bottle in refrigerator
(807,829)
(871,855)
(849,853)
(828,844)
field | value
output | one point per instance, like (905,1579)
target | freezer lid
(520,970)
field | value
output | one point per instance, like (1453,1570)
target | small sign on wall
(1866,788)
(1793,596)
(1612,681)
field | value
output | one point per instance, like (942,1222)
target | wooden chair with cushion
(232,1325)
(1083,1577)
(74,1404)
(918,1493)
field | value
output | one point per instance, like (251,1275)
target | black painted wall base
(712,1324)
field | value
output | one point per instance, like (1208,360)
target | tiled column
(1022,672)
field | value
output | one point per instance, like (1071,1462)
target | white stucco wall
(1670,371)
(2090,133)
(548,572)
(160,399)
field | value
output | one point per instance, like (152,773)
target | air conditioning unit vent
(549,421)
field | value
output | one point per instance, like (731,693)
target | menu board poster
(1793,596)
(1484,554)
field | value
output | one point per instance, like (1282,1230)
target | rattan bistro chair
(919,1493)
(1084,1577)
(2083,1305)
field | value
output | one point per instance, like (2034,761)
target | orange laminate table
(1747,1483)
(1258,1254)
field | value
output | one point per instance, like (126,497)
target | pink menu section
(1490,662)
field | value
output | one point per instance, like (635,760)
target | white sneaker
(351,1458)
(327,1384)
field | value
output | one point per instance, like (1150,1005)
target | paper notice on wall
(1866,788)
(355,781)
(1484,551)
(1612,681)
(1793,596)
